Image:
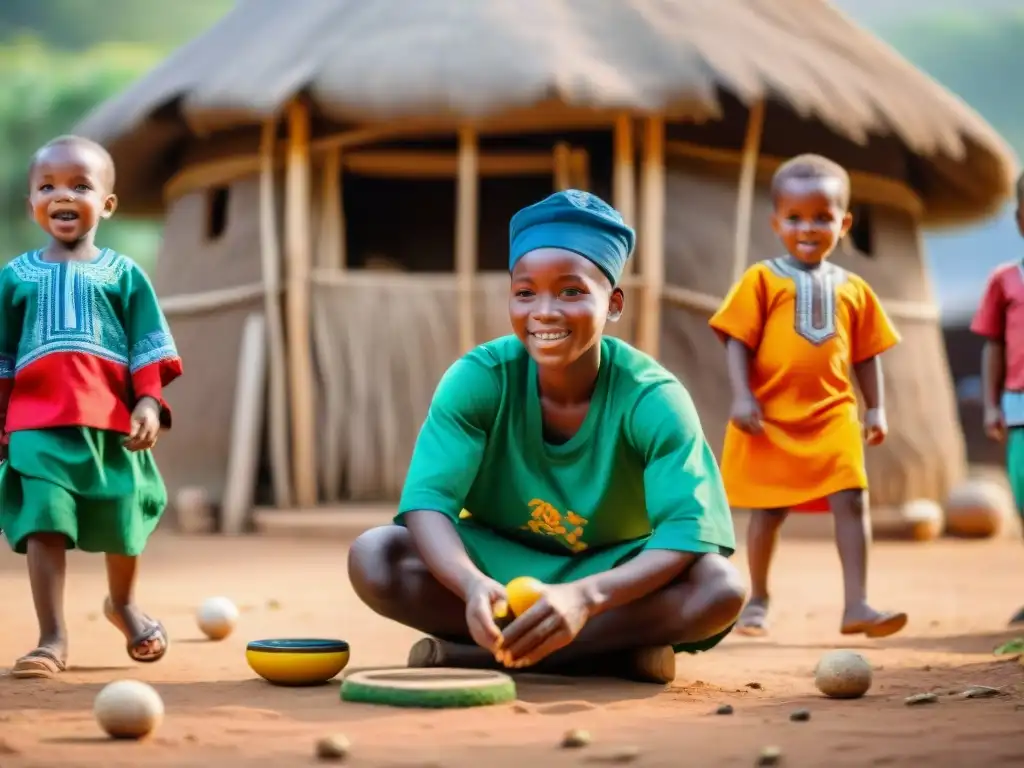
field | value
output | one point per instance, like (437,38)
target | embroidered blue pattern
(815,313)
(78,308)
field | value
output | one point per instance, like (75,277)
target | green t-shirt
(639,469)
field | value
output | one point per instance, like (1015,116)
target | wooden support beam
(651,234)
(466,225)
(298,250)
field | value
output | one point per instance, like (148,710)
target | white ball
(217,617)
(843,675)
(128,709)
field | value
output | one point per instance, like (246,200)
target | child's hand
(485,601)
(746,415)
(995,424)
(145,425)
(875,426)
(551,623)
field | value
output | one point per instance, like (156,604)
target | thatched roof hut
(409,131)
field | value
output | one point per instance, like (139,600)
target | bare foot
(753,622)
(147,638)
(865,620)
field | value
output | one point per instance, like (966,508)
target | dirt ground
(959,595)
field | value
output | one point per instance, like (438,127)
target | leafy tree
(45,93)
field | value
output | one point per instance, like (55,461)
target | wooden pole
(331,242)
(747,187)
(277,382)
(651,234)
(562,156)
(579,162)
(466,207)
(624,173)
(298,250)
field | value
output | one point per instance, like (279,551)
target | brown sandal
(155,631)
(42,663)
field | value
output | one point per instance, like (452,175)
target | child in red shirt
(1000,319)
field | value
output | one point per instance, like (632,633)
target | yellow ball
(523,593)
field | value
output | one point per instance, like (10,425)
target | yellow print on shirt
(547,520)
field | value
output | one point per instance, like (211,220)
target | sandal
(753,622)
(135,645)
(884,625)
(40,663)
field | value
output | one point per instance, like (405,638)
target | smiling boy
(582,463)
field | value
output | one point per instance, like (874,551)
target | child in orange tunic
(793,327)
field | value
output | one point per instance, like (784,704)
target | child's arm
(993,374)
(990,323)
(739,324)
(10,335)
(442,470)
(870,379)
(152,356)
(746,412)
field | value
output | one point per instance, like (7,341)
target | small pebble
(769,756)
(577,737)
(725,709)
(616,756)
(979,692)
(273,604)
(332,748)
(800,716)
(755,686)
(920,698)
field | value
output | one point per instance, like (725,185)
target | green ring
(501,691)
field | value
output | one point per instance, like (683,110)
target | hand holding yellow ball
(522,593)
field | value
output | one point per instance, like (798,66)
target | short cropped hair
(79,141)
(812,167)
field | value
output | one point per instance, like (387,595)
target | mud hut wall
(925,451)
(377,383)
(195,258)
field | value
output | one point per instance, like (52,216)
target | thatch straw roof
(362,62)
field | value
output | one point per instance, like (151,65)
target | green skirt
(83,483)
(504,559)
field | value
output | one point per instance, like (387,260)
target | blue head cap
(575,221)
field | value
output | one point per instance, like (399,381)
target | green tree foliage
(44,94)
(977,56)
(82,24)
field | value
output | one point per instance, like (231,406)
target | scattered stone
(522,708)
(920,698)
(979,692)
(273,605)
(770,756)
(843,674)
(332,748)
(575,738)
(617,756)
(755,686)
(800,716)
(725,709)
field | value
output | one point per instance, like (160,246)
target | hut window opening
(862,233)
(216,213)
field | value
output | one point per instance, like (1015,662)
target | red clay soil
(959,596)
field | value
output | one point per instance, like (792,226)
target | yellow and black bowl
(297,661)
